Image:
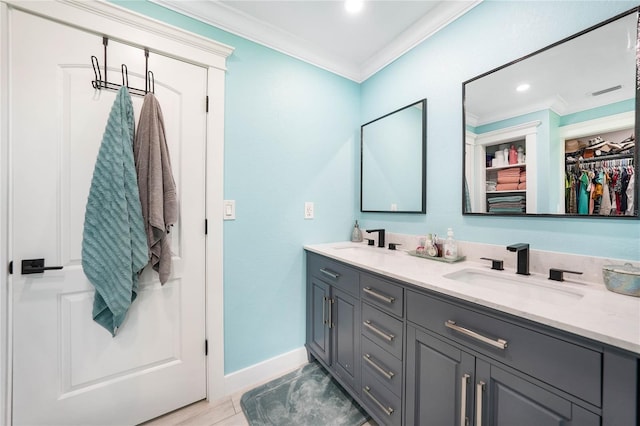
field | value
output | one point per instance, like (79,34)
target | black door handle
(35,266)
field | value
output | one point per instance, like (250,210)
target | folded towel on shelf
(508,179)
(506,199)
(522,185)
(114,244)
(507,186)
(512,171)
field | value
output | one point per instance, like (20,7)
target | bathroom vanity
(419,342)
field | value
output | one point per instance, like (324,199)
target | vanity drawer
(381,364)
(381,401)
(381,293)
(382,329)
(567,366)
(334,273)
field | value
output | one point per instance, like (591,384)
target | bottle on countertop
(430,247)
(450,246)
(438,243)
(356,234)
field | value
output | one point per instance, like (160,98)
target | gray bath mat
(305,397)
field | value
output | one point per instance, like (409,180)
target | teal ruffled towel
(114,243)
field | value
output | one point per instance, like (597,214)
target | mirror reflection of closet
(579,104)
(599,173)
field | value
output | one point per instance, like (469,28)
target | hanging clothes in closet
(604,188)
(156,184)
(114,244)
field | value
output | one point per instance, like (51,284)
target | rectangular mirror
(553,133)
(393,161)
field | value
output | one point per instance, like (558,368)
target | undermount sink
(532,288)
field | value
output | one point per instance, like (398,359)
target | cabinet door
(503,399)
(318,337)
(345,318)
(439,382)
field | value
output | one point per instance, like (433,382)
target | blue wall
(292,135)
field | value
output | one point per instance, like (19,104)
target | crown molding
(437,19)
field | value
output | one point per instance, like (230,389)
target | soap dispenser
(450,246)
(356,234)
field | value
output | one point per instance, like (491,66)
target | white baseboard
(252,376)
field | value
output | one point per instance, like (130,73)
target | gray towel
(114,246)
(156,185)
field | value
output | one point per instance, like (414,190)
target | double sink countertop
(585,309)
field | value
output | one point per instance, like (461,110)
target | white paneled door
(66,368)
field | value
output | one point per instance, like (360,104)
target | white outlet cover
(308,210)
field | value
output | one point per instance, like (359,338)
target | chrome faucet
(380,236)
(522,249)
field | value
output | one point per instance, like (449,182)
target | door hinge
(206,227)
(11,268)
(206,103)
(206,347)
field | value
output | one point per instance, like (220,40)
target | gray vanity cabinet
(333,319)
(449,386)
(439,381)
(411,356)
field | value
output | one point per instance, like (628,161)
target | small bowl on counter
(623,279)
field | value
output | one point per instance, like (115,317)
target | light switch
(229,210)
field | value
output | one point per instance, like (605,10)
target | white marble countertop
(585,309)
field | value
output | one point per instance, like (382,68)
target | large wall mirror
(554,133)
(393,161)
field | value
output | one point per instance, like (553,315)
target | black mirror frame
(423,210)
(636,214)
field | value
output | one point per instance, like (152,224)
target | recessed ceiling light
(353,6)
(523,87)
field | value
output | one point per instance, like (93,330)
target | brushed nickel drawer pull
(324,309)
(331,324)
(382,297)
(388,374)
(379,332)
(388,410)
(330,273)
(499,343)
(479,396)
(464,420)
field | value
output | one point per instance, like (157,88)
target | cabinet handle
(382,297)
(329,273)
(387,410)
(324,309)
(499,343)
(479,395)
(330,313)
(464,421)
(388,374)
(379,332)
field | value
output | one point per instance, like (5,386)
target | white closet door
(66,368)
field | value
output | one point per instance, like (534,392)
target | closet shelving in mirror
(506,180)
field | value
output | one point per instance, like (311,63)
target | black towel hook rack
(98,83)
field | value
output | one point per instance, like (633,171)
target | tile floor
(224,412)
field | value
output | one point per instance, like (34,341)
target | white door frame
(137,30)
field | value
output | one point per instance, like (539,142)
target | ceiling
(322,33)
